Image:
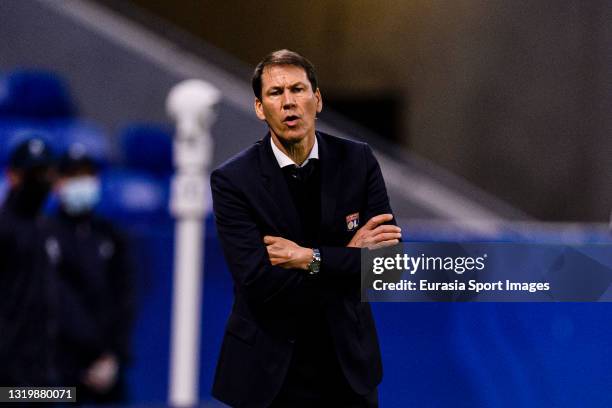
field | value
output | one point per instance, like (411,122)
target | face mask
(79,195)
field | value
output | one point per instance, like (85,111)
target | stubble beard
(295,148)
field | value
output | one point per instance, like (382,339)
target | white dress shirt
(284,160)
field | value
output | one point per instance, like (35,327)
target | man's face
(288,103)
(39,175)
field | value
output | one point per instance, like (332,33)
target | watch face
(315,264)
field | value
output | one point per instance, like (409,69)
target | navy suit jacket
(251,199)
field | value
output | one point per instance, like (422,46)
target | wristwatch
(315,265)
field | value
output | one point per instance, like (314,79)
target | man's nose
(288,100)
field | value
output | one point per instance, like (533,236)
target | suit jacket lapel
(276,186)
(329,183)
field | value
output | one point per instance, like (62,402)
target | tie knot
(301,173)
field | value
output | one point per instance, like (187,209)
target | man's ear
(319,99)
(259,109)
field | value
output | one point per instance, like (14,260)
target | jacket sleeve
(244,250)
(343,261)
(123,284)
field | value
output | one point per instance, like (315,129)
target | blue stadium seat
(133,198)
(148,147)
(39,94)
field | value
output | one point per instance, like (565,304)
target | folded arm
(380,230)
(243,246)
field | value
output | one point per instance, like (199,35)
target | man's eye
(298,89)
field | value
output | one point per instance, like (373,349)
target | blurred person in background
(96,279)
(29,254)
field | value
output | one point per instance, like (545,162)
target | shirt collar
(284,160)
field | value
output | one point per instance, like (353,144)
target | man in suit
(289,212)
(29,254)
(95,278)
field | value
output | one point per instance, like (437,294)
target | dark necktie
(301,173)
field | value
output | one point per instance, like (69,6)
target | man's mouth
(291,120)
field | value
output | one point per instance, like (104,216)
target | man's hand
(287,254)
(374,235)
(102,374)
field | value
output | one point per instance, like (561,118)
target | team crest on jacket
(352,222)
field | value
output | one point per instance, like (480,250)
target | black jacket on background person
(96,299)
(278,311)
(28,301)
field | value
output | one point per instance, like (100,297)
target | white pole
(191,105)
(186,315)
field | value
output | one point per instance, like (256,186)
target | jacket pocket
(242,328)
